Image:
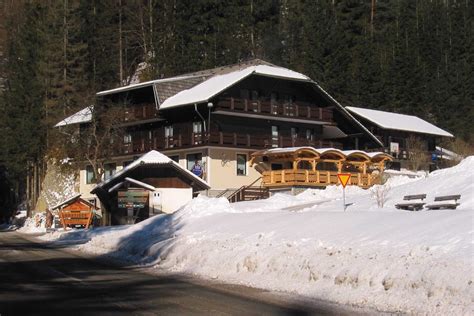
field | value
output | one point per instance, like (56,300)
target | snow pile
(388,259)
(35,224)
(204,206)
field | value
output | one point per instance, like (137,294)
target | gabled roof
(401,122)
(71,200)
(201,86)
(83,116)
(215,85)
(143,85)
(151,158)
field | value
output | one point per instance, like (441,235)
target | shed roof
(396,121)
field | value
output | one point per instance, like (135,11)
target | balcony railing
(300,177)
(301,110)
(145,144)
(140,112)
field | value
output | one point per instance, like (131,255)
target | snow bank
(35,224)
(392,260)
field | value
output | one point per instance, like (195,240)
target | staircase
(249,193)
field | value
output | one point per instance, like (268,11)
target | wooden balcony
(300,110)
(318,178)
(140,112)
(143,144)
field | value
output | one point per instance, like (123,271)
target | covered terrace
(311,167)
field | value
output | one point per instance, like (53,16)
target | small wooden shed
(75,211)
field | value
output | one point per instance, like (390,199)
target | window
(274,136)
(169,131)
(254,100)
(288,101)
(309,134)
(90,176)
(175,158)
(294,132)
(197,127)
(197,133)
(109,170)
(241,164)
(274,102)
(127,138)
(194,164)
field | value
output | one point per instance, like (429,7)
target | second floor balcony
(220,139)
(296,109)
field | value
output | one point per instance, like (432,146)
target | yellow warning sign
(344,178)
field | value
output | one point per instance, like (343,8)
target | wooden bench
(83,218)
(416,205)
(444,202)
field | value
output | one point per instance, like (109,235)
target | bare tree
(380,194)
(417,152)
(94,142)
(101,139)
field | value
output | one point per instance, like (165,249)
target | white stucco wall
(172,199)
(223,169)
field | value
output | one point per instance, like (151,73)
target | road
(36,279)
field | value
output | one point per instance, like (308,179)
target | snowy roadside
(383,258)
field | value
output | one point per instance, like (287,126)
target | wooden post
(272,177)
(317,177)
(283,176)
(307,176)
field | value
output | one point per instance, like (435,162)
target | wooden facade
(257,113)
(75,212)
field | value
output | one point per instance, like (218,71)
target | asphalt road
(37,279)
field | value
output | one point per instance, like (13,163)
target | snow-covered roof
(70,200)
(83,116)
(142,85)
(397,121)
(319,152)
(213,86)
(153,157)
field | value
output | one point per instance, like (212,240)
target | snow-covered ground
(383,258)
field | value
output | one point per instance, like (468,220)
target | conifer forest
(407,56)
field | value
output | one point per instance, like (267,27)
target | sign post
(344,179)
